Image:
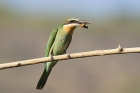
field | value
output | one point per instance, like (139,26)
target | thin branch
(118,50)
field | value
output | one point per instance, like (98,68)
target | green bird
(58,43)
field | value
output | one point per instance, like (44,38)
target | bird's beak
(83,23)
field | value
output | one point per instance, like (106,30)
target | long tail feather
(43,79)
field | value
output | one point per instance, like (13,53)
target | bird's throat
(69,29)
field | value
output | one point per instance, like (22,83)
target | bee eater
(58,43)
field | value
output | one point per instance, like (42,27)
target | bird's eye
(72,21)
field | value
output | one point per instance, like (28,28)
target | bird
(59,40)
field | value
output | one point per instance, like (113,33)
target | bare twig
(118,50)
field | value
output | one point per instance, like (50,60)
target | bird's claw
(51,57)
(68,55)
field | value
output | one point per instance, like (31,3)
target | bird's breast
(61,43)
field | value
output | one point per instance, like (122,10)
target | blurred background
(25,26)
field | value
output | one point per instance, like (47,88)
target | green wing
(50,41)
(46,73)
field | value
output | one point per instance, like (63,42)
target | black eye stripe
(70,21)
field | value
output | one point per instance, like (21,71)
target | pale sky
(85,7)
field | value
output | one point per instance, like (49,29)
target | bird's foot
(68,55)
(51,57)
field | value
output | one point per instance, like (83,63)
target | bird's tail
(43,79)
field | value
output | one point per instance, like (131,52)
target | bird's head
(74,22)
(71,23)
